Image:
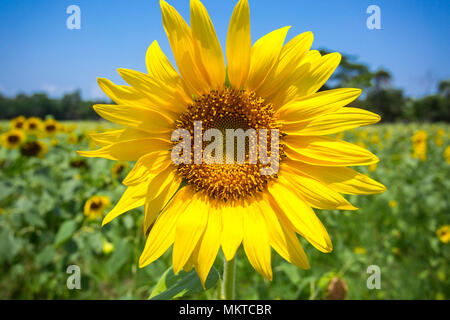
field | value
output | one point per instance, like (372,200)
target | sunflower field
(52,202)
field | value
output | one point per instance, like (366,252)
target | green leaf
(66,231)
(32,218)
(45,257)
(172,286)
(9,245)
(119,257)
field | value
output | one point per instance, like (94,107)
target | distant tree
(444,88)
(350,74)
(70,104)
(382,78)
(389,103)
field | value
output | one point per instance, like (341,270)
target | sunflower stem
(229,279)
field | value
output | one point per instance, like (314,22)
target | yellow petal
(264,55)
(160,69)
(129,150)
(135,117)
(320,74)
(239,45)
(159,66)
(207,44)
(190,227)
(307,79)
(314,192)
(209,244)
(122,94)
(163,98)
(190,263)
(287,91)
(340,179)
(157,187)
(293,211)
(256,240)
(330,123)
(149,164)
(162,235)
(133,197)
(284,240)
(108,137)
(180,37)
(326,151)
(154,206)
(113,136)
(290,57)
(318,104)
(232,232)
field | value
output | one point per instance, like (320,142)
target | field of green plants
(44,229)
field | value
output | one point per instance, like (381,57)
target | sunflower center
(119,169)
(50,128)
(13,139)
(31,149)
(230,110)
(95,205)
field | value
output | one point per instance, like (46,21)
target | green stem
(229,279)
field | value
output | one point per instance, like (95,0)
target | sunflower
(18,122)
(118,168)
(419,144)
(34,148)
(95,206)
(51,126)
(447,154)
(32,125)
(200,207)
(12,138)
(443,233)
(107,247)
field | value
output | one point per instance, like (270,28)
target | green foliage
(431,108)
(43,230)
(391,103)
(171,286)
(69,107)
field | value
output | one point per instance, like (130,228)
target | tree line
(378,96)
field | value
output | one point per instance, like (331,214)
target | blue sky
(38,53)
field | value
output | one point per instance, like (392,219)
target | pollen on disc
(222,110)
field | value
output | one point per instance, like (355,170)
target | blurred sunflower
(419,143)
(443,233)
(95,206)
(447,154)
(118,168)
(12,139)
(73,138)
(107,247)
(17,122)
(393,204)
(51,126)
(268,85)
(34,148)
(438,141)
(360,250)
(33,125)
